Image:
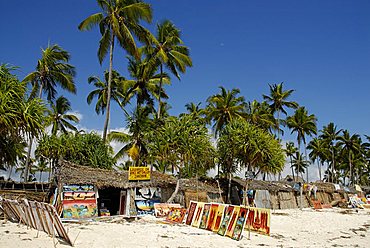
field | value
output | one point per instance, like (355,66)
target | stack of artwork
(228,220)
(79,201)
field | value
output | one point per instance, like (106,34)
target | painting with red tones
(212,216)
(225,221)
(219,216)
(191,211)
(259,220)
(198,214)
(240,222)
(230,227)
(205,215)
(176,215)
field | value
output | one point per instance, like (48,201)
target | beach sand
(289,228)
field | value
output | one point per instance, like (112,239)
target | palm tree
(352,145)
(224,107)
(135,140)
(302,124)
(119,20)
(290,150)
(278,99)
(331,134)
(145,82)
(168,50)
(41,167)
(52,70)
(260,114)
(59,117)
(318,151)
(101,91)
(299,163)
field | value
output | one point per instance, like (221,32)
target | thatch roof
(70,173)
(265,185)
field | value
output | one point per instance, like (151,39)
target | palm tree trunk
(278,119)
(291,166)
(319,167)
(109,88)
(229,189)
(332,165)
(40,176)
(159,93)
(305,154)
(350,167)
(300,190)
(28,158)
(10,171)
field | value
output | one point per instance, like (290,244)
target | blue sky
(319,48)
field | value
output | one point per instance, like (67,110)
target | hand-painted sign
(259,220)
(138,173)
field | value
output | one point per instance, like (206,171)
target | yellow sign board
(138,173)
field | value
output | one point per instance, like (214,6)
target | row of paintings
(79,201)
(228,220)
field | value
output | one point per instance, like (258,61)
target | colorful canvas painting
(176,215)
(259,220)
(198,214)
(79,201)
(145,198)
(225,222)
(191,211)
(212,216)
(205,215)
(163,209)
(232,223)
(219,216)
(78,209)
(240,223)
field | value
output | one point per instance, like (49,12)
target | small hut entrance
(112,201)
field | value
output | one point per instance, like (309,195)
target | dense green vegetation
(228,133)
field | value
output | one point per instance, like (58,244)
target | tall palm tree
(260,114)
(101,91)
(278,99)
(52,70)
(135,140)
(318,152)
(225,106)
(351,144)
(168,50)
(60,118)
(290,150)
(119,20)
(299,163)
(330,134)
(145,82)
(303,124)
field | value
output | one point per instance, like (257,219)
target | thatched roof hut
(70,173)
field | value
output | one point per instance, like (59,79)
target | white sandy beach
(289,228)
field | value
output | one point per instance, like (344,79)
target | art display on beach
(176,215)
(212,216)
(258,220)
(228,220)
(79,201)
(191,211)
(205,214)
(232,223)
(225,222)
(163,209)
(219,216)
(145,198)
(198,214)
